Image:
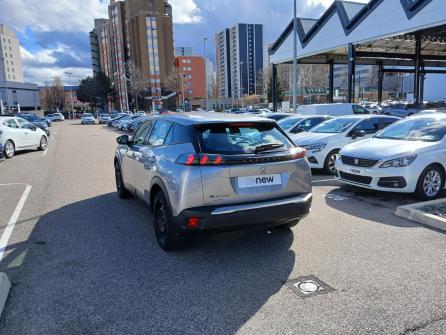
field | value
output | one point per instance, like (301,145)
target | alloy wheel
(331,163)
(43,143)
(432,183)
(9,149)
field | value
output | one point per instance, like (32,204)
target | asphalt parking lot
(83,261)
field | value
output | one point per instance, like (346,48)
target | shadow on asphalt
(94,267)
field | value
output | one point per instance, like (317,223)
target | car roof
(192,118)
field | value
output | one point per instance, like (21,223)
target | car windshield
(87,115)
(289,122)
(338,125)
(241,138)
(429,129)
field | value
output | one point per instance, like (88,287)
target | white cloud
(52,15)
(185,11)
(41,75)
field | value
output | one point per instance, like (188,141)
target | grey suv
(210,172)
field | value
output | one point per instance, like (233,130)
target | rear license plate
(256,181)
(356,171)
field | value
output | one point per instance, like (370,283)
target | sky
(54,33)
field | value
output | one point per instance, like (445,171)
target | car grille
(361,162)
(354,178)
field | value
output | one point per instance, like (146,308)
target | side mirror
(358,133)
(123,140)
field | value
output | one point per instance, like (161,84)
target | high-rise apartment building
(240,60)
(11,68)
(138,32)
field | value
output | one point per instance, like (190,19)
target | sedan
(407,157)
(18,134)
(104,118)
(55,117)
(324,142)
(88,118)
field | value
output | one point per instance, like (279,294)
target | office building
(192,71)
(100,47)
(184,51)
(210,78)
(11,68)
(240,60)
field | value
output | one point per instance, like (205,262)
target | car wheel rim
(331,163)
(9,149)
(432,183)
(43,143)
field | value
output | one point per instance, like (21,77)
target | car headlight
(317,147)
(399,162)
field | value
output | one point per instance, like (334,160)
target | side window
(23,123)
(315,121)
(159,133)
(142,133)
(170,136)
(181,134)
(369,126)
(386,122)
(11,124)
(305,125)
(359,110)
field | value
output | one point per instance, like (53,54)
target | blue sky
(54,33)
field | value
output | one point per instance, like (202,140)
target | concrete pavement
(83,261)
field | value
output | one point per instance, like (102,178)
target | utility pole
(205,74)
(295,58)
(71,93)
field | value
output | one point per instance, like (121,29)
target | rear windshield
(242,138)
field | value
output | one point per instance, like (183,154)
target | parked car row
(18,134)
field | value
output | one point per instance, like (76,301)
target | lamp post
(205,74)
(295,57)
(71,93)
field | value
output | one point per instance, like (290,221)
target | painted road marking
(45,152)
(12,221)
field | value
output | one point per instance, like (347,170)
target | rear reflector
(193,223)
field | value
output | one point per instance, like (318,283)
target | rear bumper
(246,216)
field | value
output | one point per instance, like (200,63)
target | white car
(55,117)
(324,142)
(409,156)
(17,134)
(88,118)
(104,118)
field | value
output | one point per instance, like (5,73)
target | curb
(5,285)
(413,213)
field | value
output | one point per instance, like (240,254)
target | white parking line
(12,221)
(45,152)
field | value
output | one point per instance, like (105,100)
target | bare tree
(138,83)
(174,83)
(58,93)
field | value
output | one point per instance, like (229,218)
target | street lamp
(71,93)
(205,74)
(295,57)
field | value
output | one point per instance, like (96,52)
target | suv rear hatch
(248,162)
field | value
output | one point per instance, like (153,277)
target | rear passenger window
(170,137)
(181,134)
(11,124)
(369,126)
(159,133)
(387,122)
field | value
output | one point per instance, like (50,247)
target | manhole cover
(309,286)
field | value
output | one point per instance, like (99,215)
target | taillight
(199,160)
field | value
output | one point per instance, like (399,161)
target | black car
(37,121)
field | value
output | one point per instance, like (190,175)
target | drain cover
(309,286)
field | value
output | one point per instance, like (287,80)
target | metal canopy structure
(407,36)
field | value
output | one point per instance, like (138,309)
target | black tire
(123,193)
(329,162)
(9,149)
(43,144)
(166,233)
(430,183)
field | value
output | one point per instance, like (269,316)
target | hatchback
(210,172)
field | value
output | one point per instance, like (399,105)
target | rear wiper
(268,147)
